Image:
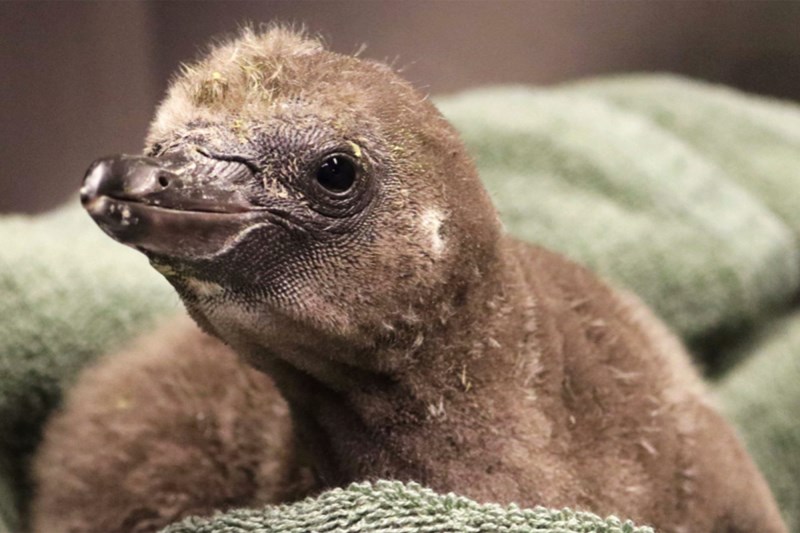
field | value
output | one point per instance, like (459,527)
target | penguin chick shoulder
(319,215)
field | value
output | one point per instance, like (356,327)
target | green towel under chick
(391,506)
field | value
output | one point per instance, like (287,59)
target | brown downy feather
(171,427)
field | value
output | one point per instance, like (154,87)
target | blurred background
(81,80)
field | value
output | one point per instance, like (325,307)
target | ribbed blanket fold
(394,507)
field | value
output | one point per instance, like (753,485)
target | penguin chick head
(289,188)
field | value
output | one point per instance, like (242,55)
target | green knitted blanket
(683,192)
(392,506)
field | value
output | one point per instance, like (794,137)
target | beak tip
(93,181)
(86,195)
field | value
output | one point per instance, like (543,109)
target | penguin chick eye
(336,173)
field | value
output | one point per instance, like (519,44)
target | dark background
(81,80)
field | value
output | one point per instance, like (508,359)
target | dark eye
(337,173)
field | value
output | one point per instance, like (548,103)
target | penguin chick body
(171,427)
(320,216)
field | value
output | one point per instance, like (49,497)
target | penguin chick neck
(361,412)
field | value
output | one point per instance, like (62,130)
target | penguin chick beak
(174,205)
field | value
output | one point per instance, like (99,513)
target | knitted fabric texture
(715,121)
(391,506)
(683,192)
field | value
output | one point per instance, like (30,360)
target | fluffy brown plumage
(173,426)
(412,338)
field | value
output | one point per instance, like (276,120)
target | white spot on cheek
(432,220)
(203,288)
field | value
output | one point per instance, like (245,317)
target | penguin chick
(319,215)
(171,427)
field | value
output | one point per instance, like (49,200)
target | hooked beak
(173,205)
